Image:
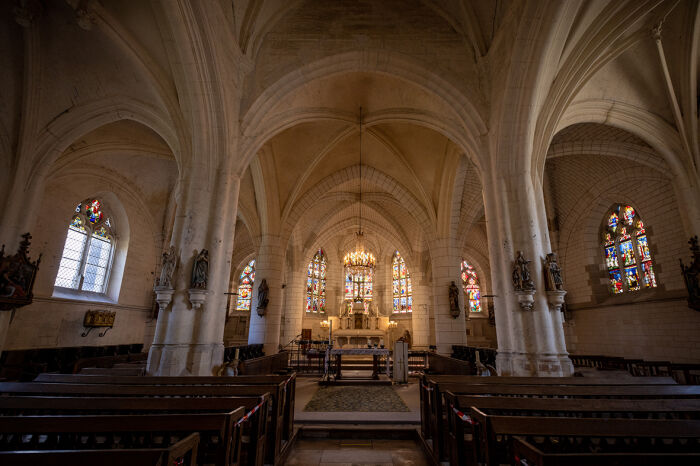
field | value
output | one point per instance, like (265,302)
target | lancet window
(245,287)
(470,284)
(89,249)
(626,250)
(401,285)
(316,284)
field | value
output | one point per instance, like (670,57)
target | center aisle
(357,424)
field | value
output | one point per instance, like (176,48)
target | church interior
(350,231)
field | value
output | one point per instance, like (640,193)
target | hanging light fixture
(359,261)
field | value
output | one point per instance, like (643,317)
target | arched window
(88,251)
(470,283)
(316,284)
(359,285)
(245,287)
(401,281)
(626,249)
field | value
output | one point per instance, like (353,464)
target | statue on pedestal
(454,300)
(552,273)
(200,271)
(263,298)
(521,274)
(168,265)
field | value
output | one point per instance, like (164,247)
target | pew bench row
(240,420)
(475,420)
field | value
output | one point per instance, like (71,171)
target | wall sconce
(392,324)
(324,324)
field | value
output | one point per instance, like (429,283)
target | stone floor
(356,452)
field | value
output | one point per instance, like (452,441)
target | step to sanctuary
(388,431)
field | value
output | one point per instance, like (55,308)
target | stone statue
(263,298)
(406,338)
(691,275)
(454,300)
(521,274)
(552,273)
(168,268)
(200,271)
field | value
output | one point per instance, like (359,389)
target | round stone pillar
(269,265)
(449,330)
(530,340)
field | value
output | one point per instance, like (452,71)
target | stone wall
(652,324)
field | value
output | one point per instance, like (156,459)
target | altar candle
(235,356)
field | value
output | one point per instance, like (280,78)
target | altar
(376,354)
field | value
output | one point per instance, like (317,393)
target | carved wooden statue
(454,300)
(691,275)
(17,274)
(200,270)
(522,280)
(263,298)
(552,273)
(168,267)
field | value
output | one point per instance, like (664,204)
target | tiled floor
(354,452)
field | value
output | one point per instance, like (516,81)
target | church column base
(184,359)
(529,365)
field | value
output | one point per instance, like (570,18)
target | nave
(110,412)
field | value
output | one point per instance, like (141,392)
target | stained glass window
(401,285)
(359,285)
(316,284)
(88,250)
(245,287)
(626,250)
(470,284)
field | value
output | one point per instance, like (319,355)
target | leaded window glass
(359,285)
(401,285)
(316,284)
(245,287)
(88,250)
(626,250)
(470,284)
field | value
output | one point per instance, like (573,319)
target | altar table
(375,352)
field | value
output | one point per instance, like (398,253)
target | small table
(375,352)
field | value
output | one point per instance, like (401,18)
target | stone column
(189,341)
(295,303)
(530,342)
(445,263)
(269,266)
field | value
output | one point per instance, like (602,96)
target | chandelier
(359,261)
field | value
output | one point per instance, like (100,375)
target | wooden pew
(432,413)
(265,364)
(133,371)
(439,364)
(460,444)
(286,393)
(253,429)
(492,434)
(278,444)
(182,453)
(527,452)
(219,433)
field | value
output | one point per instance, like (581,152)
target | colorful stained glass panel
(627,252)
(632,278)
(616,281)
